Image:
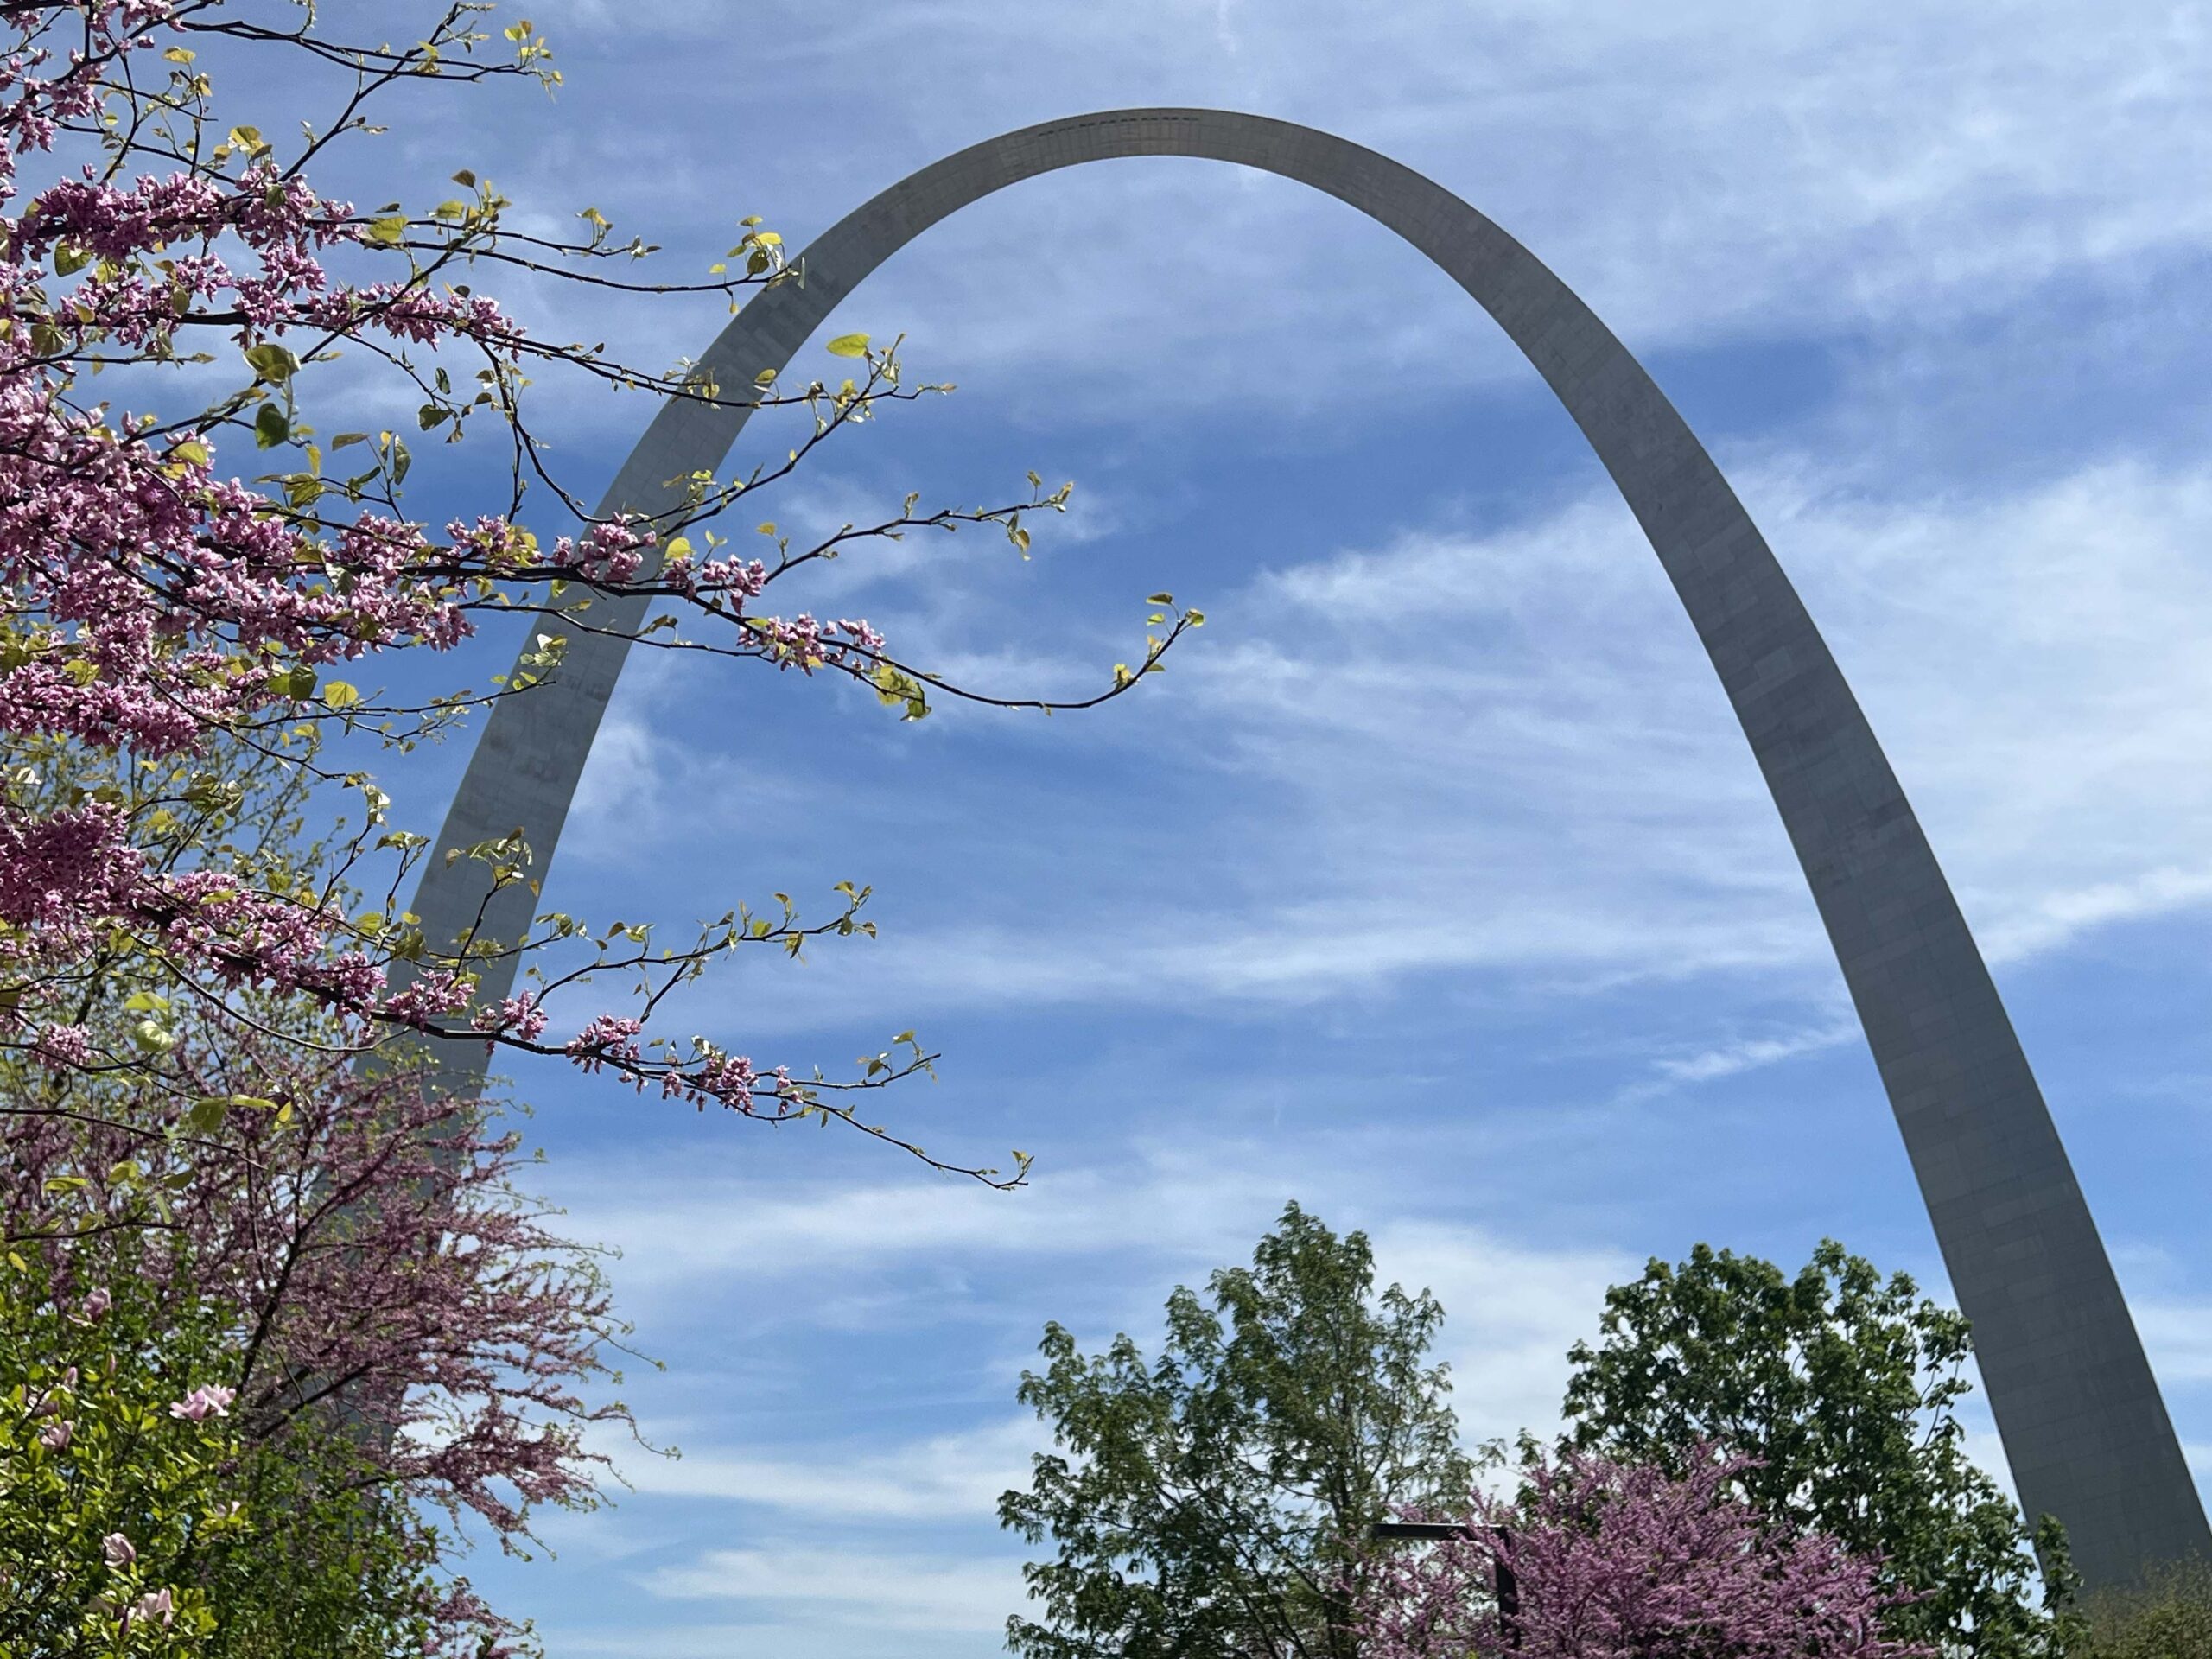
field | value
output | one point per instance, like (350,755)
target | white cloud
(702,1258)
(1511,1314)
(893,1592)
(675,1226)
(1699,171)
(1500,752)
(2178,1337)
(957,1476)
(1746,1054)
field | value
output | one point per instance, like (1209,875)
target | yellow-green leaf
(848,346)
(273,363)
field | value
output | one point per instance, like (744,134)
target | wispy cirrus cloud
(1705,172)
(889,1592)
(1504,752)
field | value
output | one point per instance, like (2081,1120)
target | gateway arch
(2084,1428)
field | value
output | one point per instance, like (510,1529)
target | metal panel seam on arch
(2084,1428)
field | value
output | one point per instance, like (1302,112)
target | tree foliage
(1211,1501)
(2167,1616)
(1843,1386)
(144,1516)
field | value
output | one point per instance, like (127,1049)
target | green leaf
(271,427)
(339,695)
(69,259)
(207,1113)
(848,346)
(272,362)
(385,233)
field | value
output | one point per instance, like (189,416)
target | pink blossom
(208,1399)
(161,593)
(158,1605)
(519,1016)
(1615,1562)
(49,1402)
(117,1550)
(608,1037)
(473,1330)
(55,1436)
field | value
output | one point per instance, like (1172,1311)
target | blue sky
(1433,887)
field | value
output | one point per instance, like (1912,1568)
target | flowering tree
(260,1338)
(1609,1560)
(155,598)
(269,1303)
(352,1240)
(1842,1388)
(139,1518)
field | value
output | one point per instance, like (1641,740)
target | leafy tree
(1844,1387)
(143,1516)
(2167,1616)
(1610,1560)
(1212,1502)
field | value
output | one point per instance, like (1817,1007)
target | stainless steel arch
(2086,1434)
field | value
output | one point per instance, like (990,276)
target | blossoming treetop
(156,598)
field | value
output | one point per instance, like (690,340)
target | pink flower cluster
(375,1238)
(1609,1560)
(150,600)
(208,1399)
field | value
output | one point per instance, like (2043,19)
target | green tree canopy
(2167,1615)
(1209,1503)
(1844,1386)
